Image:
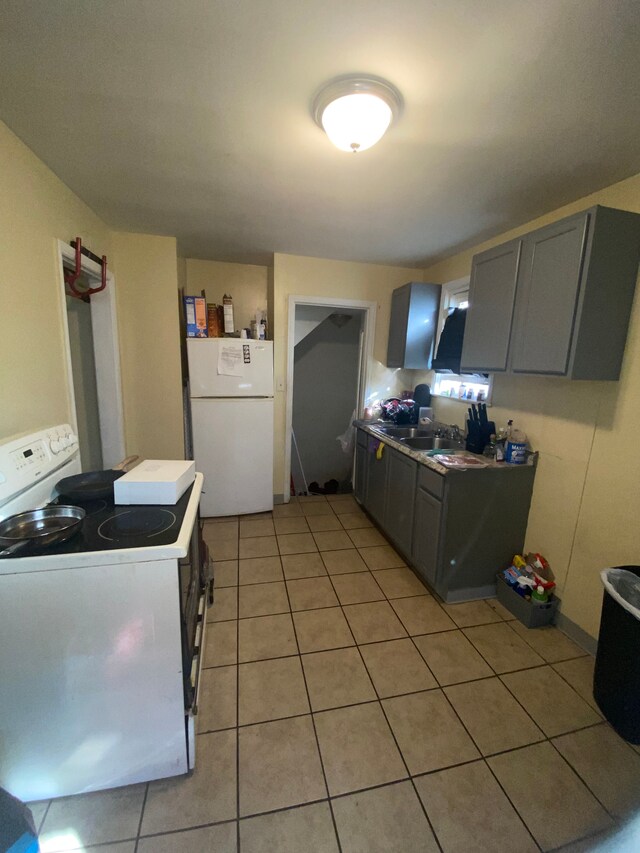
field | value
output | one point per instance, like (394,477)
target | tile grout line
(473,741)
(44,817)
(496,674)
(513,749)
(384,714)
(162,833)
(598,835)
(548,737)
(465,729)
(315,731)
(597,710)
(544,739)
(540,740)
(575,771)
(510,801)
(144,803)
(483,758)
(531,646)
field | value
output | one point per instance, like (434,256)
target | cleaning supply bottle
(490,449)
(516,447)
(501,441)
(539,594)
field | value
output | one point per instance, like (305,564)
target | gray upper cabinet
(548,288)
(414,316)
(565,292)
(492,292)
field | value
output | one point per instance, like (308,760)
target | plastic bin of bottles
(532,614)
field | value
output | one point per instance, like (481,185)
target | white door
(233,448)
(254,368)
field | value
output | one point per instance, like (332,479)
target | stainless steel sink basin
(404,432)
(432,443)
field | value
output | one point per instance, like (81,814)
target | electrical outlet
(280,385)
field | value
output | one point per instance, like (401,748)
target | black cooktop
(108,527)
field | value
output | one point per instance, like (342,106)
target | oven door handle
(198,655)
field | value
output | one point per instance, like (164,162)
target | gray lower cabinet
(557,301)
(457,530)
(426,535)
(376,487)
(400,499)
(360,480)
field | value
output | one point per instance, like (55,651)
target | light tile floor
(348,709)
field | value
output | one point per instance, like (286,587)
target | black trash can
(616,680)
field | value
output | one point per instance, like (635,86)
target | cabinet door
(401,496)
(426,535)
(398,321)
(360,480)
(491,299)
(376,486)
(414,316)
(548,287)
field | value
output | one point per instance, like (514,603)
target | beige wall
(36,209)
(301,276)
(586,499)
(246,283)
(147,284)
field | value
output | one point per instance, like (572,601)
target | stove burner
(142,521)
(91,507)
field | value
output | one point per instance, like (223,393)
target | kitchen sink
(404,432)
(432,443)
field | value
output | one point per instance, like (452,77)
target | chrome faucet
(453,432)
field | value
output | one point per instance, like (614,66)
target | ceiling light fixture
(355,111)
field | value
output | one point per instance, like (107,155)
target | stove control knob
(64,442)
(73,439)
(55,446)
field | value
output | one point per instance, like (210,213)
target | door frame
(366,357)
(106,350)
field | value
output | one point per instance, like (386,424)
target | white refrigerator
(231,399)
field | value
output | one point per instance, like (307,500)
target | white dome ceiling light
(355,111)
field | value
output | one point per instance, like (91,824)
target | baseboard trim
(577,634)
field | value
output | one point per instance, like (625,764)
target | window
(470,387)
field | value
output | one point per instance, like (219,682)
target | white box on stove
(155,481)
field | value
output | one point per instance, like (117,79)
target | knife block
(478,436)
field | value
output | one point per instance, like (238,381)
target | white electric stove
(101,635)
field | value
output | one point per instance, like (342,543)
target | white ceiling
(192,118)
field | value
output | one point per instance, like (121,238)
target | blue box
(195,315)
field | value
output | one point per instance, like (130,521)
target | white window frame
(452,293)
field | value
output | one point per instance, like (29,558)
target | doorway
(93,366)
(329,349)
(83,368)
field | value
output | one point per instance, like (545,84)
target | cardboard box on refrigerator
(155,481)
(195,314)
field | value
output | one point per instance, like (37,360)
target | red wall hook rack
(71,276)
